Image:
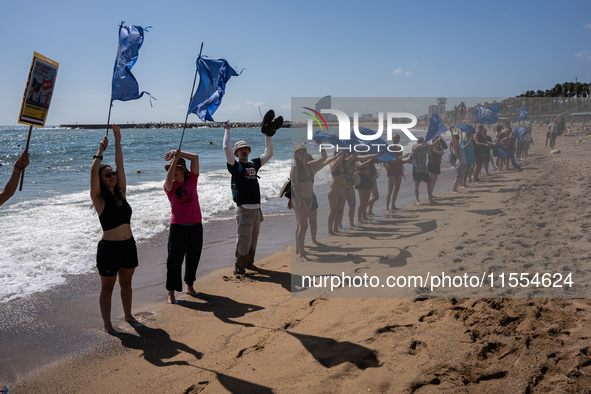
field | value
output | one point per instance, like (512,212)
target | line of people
(117,256)
(473,154)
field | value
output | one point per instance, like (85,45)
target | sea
(49,230)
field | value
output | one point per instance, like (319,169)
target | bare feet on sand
(171,299)
(132,321)
(110,329)
(191,291)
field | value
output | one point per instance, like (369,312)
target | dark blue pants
(184,243)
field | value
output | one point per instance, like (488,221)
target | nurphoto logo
(393,120)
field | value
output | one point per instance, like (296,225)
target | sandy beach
(252,335)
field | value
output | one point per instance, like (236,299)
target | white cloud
(399,71)
(586,54)
(587,26)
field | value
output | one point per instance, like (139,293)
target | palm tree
(462,109)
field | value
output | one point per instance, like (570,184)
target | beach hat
(180,163)
(241,144)
(299,147)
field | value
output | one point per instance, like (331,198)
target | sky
(290,49)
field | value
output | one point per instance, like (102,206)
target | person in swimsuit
(337,190)
(364,187)
(350,171)
(185,239)
(375,193)
(302,193)
(420,173)
(116,255)
(394,171)
(10,188)
(435,153)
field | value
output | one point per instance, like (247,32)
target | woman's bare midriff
(120,233)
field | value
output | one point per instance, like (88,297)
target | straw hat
(241,144)
(180,164)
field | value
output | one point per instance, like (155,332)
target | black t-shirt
(245,181)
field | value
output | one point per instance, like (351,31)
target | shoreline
(54,315)
(251,335)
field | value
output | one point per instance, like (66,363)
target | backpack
(233,184)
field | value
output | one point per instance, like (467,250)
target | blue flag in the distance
(522,113)
(124,86)
(487,115)
(466,128)
(520,131)
(213,76)
(436,128)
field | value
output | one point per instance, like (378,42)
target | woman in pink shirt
(185,239)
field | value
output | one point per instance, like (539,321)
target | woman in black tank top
(117,253)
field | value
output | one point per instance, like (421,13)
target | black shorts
(366,182)
(434,169)
(112,255)
(420,176)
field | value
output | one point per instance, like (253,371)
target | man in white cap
(246,192)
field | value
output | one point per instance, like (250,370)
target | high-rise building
(439,108)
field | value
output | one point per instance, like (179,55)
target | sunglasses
(108,175)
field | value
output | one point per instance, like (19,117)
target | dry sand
(252,336)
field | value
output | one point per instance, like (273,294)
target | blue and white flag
(124,86)
(436,128)
(520,131)
(323,136)
(213,76)
(466,128)
(522,113)
(487,115)
(505,152)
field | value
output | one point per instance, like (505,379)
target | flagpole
(192,91)
(111,101)
(20,189)
(109,117)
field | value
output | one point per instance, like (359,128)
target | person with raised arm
(21,163)
(185,239)
(303,198)
(246,191)
(394,172)
(116,255)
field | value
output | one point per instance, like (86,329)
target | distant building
(439,108)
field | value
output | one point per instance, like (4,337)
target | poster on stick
(38,91)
